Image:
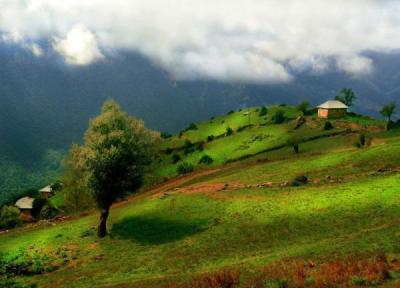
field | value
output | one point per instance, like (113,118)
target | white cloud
(355,65)
(16,37)
(79,47)
(258,41)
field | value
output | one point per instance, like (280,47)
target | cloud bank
(251,41)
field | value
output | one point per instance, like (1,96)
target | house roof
(25,203)
(46,189)
(333,104)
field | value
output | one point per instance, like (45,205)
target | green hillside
(240,219)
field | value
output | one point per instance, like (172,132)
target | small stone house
(332,109)
(25,205)
(46,192)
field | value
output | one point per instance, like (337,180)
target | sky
(249,41)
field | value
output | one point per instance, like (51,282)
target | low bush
(206,159)
(361,140)
(229,131)
(278,117)
(48,211)
(210,138)
(168,150)
(328,125)
(176,158)
(191,126)
(37,206)
(9,217)
(230,112)
(165,135)
(184,168)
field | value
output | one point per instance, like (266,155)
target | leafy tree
(56,186)
(206,159)
(9,217)
(347,96)
(229,131)
(278,117)
(263,111)
(294,142)
(116,150)
(191,126)
(303,107)
(75,190)
(388,110)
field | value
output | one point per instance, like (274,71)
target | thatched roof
(333,104)
(25,203)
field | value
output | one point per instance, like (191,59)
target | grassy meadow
(222,223)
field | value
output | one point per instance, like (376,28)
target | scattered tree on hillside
(229,131)
(263,111)
(184,168)
(116,150)
(278,117)
(75,190)
(388,110)
(347,96)
(303,107)
(294,142)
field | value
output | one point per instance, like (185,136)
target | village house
(25,205)
(46,192)
(332,109)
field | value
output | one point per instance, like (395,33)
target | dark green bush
(165,135)
(361,140)
(37,206)
(229,131)
(184,168)
(191,126)
(210,138)
(206,159)
(242,128)
(278,117)
(168,150)
(48,211)
(9,217)
(263,111)
(176,158)
(328,125)
(231,112)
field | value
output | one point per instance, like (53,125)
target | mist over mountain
(45,104)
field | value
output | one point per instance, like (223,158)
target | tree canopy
(388,110)
(116,150)
(347,96)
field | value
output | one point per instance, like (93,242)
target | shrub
(176,158)
(328,125)
(184,168)
(48,211)
(210,138)
(303,107)
(229,131)
(9,217)
(242,128)
(206,159)
(230,112)
(191,126)
(278,117)
(37,206)
(361,140)
(263,111)
(168,151)
(165,135)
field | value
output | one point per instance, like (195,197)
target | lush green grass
(159,238)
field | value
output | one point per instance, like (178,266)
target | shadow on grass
(154,230)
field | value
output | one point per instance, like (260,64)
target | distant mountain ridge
(45,105)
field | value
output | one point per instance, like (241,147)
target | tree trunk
(102,229)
